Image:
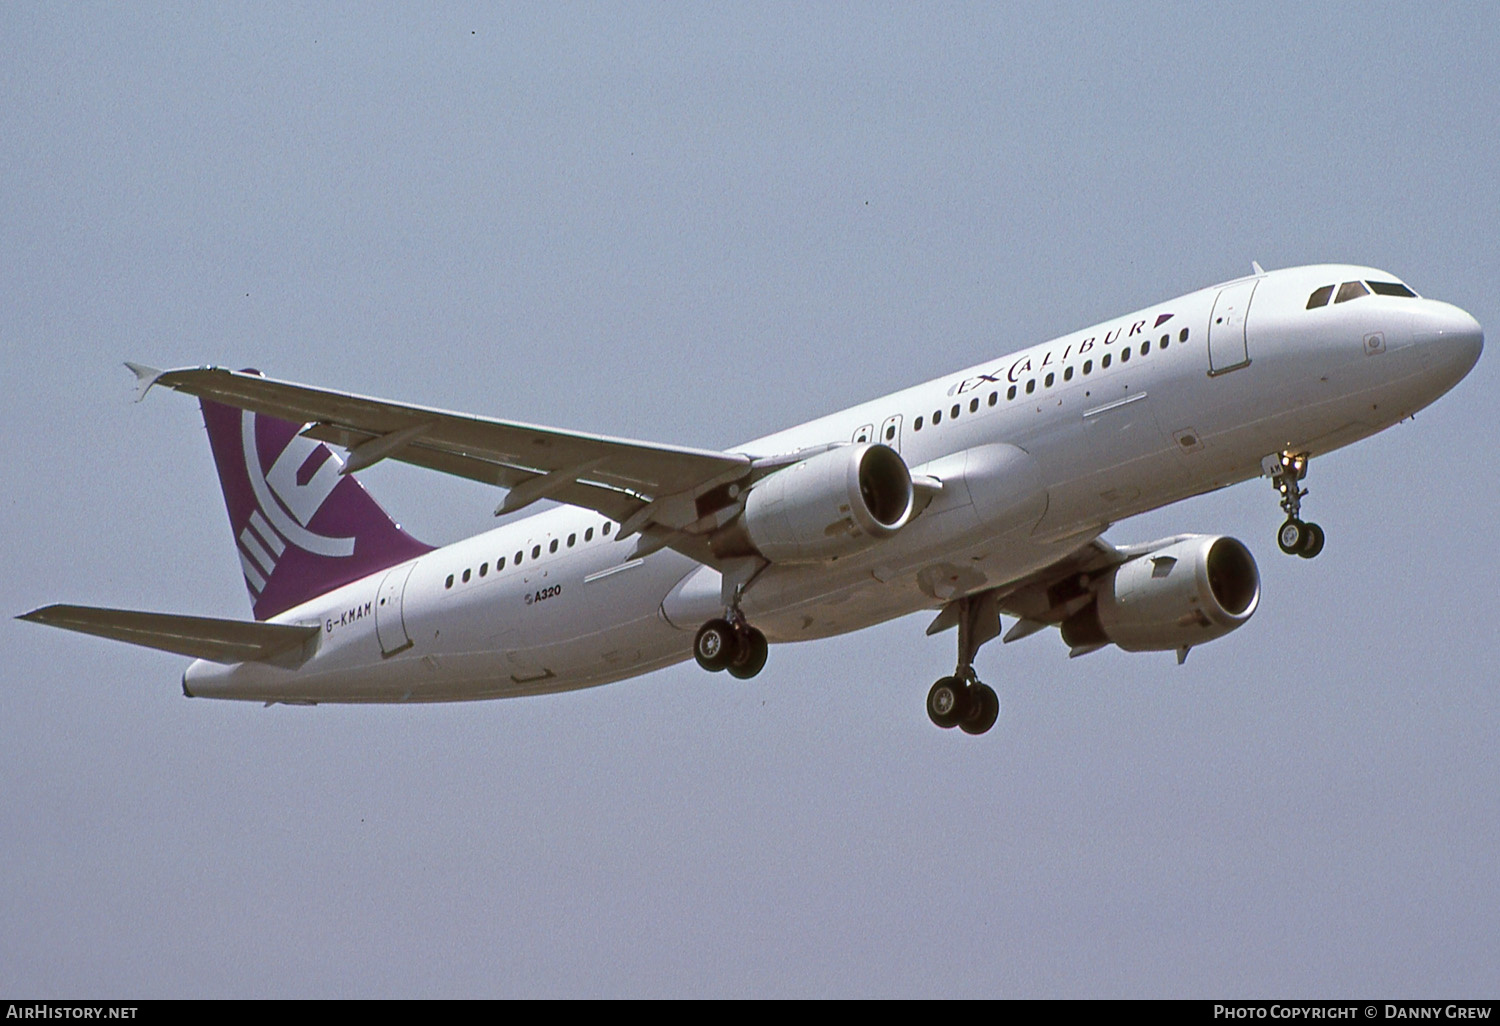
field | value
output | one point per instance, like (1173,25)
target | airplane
(980,494)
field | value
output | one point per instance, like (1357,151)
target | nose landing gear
(1295,538)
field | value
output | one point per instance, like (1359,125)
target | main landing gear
(962,700)
(732,645)
(1295,537)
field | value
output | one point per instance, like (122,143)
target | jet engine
(833,504)
(1181,595)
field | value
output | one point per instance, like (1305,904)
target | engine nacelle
(1181,595)
(833,504)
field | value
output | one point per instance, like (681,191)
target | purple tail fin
(301,528)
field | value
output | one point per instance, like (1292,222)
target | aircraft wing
(202,637)
(616,477)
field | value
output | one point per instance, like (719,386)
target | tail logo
(287,497)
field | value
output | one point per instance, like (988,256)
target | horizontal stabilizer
(203,637)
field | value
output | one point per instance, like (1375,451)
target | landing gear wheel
(948,702)
(984,710)
(716,645)
(1293,537)
(751,657)
(1287,469)
(1312,542)
(961,700)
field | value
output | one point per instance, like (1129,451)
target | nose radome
(1452,337)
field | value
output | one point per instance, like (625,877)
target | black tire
(985,710)
(751,658)
(948,702)
(1292,537)
(1313,542)
(716,645)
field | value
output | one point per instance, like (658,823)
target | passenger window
(518,558)
(1031,386)
(916,425)
(974,405)
(484,569)
(1145,347)
(553,546)
(954,412)
(937,417)
(1182,335)
(571,539)
(536,552)
(1124,354)
(1010,393)
(1391,288)
(1319,297)
(1351,290)
(890,432)
(1104,362)
(1088,366)
(449,582)
(1068,374)
(1050,377)
(467,574)
(606,528)
(1162,342)
(994,398)
(499,564)
(588,535)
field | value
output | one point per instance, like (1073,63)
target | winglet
(145,377)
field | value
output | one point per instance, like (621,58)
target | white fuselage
(1076,446)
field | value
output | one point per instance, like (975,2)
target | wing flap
(614,503)
(202,637)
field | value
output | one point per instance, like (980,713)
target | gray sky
(696,225)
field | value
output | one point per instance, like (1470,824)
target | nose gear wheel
(1299,539)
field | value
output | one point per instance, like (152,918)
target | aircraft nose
(1451,338)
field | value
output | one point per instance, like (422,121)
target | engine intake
(833,504)
(1180,595)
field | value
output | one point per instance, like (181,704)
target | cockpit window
(1351,290)
(1390,288)
(1320,297)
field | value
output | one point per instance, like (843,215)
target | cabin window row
(519,558)
(1047,382)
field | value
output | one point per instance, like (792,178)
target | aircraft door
(390,604)
(890,432)
(1226,328)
